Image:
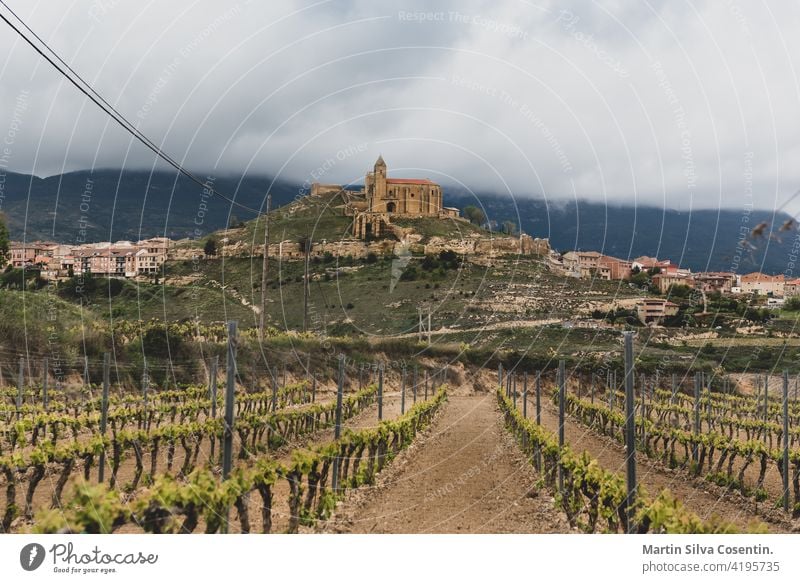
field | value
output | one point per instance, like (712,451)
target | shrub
(793,303)
(409,274)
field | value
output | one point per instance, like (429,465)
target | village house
(22,254)
(613,268)
(791,288)
(663,281)
(715,281)
(665,266)
(644,263)
(581,263)
(105,259)
(654,310)
(592,264)
(763,285)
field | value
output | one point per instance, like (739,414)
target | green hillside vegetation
(320,217)
(358,296)
(483,310)
(32,319)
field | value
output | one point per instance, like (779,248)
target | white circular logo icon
(31,556)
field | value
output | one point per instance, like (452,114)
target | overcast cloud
(677,104)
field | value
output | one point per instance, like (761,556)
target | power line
(109,109)
(785,203)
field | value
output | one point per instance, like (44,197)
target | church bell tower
(380,181)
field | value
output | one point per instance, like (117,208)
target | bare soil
(464,475)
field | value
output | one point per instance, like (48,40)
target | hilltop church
(383,198)
(402,196)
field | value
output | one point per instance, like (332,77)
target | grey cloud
(641,102)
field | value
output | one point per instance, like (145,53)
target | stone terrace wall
(470,246)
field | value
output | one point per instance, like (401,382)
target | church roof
(380,161)
(409,181)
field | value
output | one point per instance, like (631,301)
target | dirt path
(505,325)
(465,475)
(704,499)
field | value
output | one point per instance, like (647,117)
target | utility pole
(419,325)
(429,325)
(264,266)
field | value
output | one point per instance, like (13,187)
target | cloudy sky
(677,104)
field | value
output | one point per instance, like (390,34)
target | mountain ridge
(133,204)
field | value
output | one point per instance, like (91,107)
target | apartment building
(763,284)
(148,261)
(113,263)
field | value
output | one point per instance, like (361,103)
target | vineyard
(434,449)
(745,445)
(208,458)
(709,461)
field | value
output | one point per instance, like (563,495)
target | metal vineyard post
(630,433)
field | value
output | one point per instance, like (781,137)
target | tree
(641,279)
(475,215)
(509,227)
(429,263)
(210,248)
(3,240)
(677,290)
